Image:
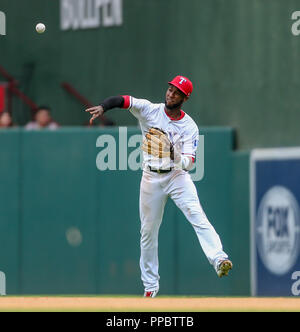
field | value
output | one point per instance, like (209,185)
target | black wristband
(112,102)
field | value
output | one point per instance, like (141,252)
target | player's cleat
(150,294)
(224,267)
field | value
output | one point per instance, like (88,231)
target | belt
(160,171)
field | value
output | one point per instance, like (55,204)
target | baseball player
(170,143)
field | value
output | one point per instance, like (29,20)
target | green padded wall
(240,231)
(67,227)
(10,206)
(58,193)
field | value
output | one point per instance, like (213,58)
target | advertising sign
(275,220)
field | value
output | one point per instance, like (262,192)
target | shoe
(224,267)
(150,293)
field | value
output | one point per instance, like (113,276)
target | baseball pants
(154,191)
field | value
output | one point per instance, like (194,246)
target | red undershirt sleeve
(127,102)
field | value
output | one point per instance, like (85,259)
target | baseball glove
(158,144)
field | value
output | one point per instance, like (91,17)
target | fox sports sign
(278,230)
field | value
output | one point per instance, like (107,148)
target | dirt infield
(137,304)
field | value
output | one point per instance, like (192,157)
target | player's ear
(186,98)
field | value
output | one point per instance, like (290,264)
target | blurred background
(68,228)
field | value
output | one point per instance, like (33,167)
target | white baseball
(40,28)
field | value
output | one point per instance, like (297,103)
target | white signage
(87,14)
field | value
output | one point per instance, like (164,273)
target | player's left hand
(158,144)
(95,111)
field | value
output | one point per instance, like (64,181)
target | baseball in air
(40,28)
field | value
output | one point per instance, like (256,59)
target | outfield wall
(240,54)
(68,228)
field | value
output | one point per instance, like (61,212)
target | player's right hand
(95,111)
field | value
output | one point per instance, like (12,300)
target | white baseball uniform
(177,184)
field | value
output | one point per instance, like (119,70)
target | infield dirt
(138,304)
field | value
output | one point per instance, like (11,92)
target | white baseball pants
(154,191)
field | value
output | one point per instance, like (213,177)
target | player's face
(174,97)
